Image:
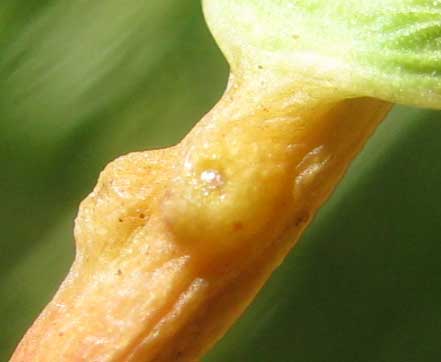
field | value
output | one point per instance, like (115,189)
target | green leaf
(383,49)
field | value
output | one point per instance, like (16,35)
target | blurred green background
(82,82)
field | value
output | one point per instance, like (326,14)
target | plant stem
(174,244)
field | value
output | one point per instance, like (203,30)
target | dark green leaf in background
(82,82)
